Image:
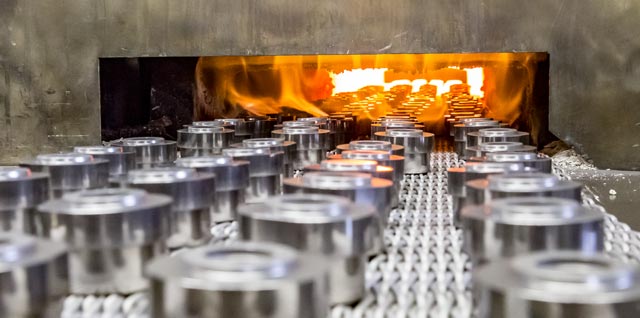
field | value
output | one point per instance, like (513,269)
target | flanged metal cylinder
(70,172)
(461,130)
(325,225)
(242,129)
(394,149)
(21,191)
(120,161)
(111,234)
(311,143)
(533,184)
(240,280)
(384,125)
(481,136)
(457,179)
(462,120)
(528,159)
(288,148)
(324,123)
(345,126)
(558,284)
(193,195)
(359,187)
(417,145)
(382,157)
(513,226)
(150,151)
(499,146)
(262,126)
(232,180)
(266,169)
(34,275)
(202,141)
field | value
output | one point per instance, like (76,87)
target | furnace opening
(156,96)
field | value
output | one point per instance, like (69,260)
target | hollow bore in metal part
(492,167)
(142,141)
(337,180)
(349,165)
(522,181)
(13,172)
(201,162)
(63,158)
(262,142)
(160,175)
(207,124)
(301,130)
(101,199)
(500,146)
(366,154)
(204,130)
(497,132)
(370,145)
(404,133)
(98,150)
(535,209)
(242,152)
(511,156)
(14,247)
(481,123)
(291,124)
(309,205)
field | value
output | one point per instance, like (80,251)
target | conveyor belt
(424,272)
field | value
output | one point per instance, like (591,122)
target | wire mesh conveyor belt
(423,273)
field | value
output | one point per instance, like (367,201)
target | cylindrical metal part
(311,143)
(382,157)
(150,151)
(558,284)
(324,123)
(120,161)
(393,124)
(262,126)
(528,159)
(463,120)
(70,172)
(533,184)
(461,130)
(417,145)
(232,180)
(34,276)
(266,169)
(394,149)
(111,234)
(240,280)
(481,136)
(326,225)
(288,148)
(242,129)
(513,226)
(21,191)
(203,141)
(193,195)
(499,146)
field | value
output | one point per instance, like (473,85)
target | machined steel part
(481,136)
(242,129)
(266,170)
(519,225)
(262,126)
(202,141)
(324,123)
(461,130)
(417,144)
(384,125)
(499,146)
(33,275)
(456,121)
(120,161)
(311,143)
(382,157)
(232,180)
(532,184)
(356,165)
(243,280)
(458,177)
(558,284)
(528,159)
(193,195)
(70,172)
(396,150)
(329,226)
(21,191)
(150,151)
(345,126)
(111,234)
(423,272)
(288,148)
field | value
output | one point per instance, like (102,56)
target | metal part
(417,145)
(384,125)
(311,143)
(461,130)
(232,180)
(150,151)
(21,191)
(111,234)
(242,129)
(288,148)
(324,123)
(262,126)
(71,171)
(382,157)
(193,195)
(528,159)
(499,146)
(457,179)
(533,184)
(326,225)
(396,150)
(202,141)
(266,169)
(481,136)
(241,280)
(345,126)
(558,284)
(514,226)
(120,161)
(33,275)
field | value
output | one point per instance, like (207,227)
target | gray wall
(49,49)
